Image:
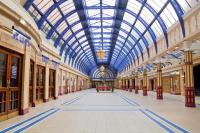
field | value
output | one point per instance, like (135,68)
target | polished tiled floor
(118,112)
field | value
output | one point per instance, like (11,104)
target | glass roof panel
(129,18)
(84,44)
(91,2)
(67,34)
(54,16)
(125,27)
(73,18)
(142,45)
(123,34)
(103,28)
(67,7)
(93,13)
(75,44)
(106,35)
(135,34)
(156,5)
(107,29)
(147,15)
(77,27)
(71,41)
(107,22)
(82,39)
(131,40)
(156,28)
(148,37)
(138,51)
(44,5)
(108,12)
(80,34)
(128,45)
(140,26)
(62,26)
(169,15)
(109,2)
(134,6)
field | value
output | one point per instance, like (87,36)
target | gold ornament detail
(101,54)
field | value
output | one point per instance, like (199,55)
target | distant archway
(108,74)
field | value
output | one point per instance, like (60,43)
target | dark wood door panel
(10,76)
(40,83)
(51,83)
(31,73)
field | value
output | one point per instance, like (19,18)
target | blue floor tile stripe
(25,121)
(18,124)
(168,122)
(71,101)
(157,122)
(35,122)
(127,99)
(74,99)
(160,124)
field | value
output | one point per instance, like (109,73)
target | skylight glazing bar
(155,18)
(132,26)
(117,24)
(79,5)
(71,31)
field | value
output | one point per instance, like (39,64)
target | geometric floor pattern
(118,112)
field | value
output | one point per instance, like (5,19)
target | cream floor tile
(119,112)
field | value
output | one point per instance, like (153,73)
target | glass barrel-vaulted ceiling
(123,29)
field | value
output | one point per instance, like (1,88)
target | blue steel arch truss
(80,28)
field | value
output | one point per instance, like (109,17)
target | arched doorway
(196,71)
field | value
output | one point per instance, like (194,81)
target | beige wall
(9,18)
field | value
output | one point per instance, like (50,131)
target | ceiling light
(101,54)
(22,21)
(176,48)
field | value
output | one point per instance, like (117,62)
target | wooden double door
(52,79)
(40,83)
(31,79)
(10,85)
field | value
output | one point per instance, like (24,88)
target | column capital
(144,71)
(186,45)
(159,67)
(144,66)
(157,60)
(136,74)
